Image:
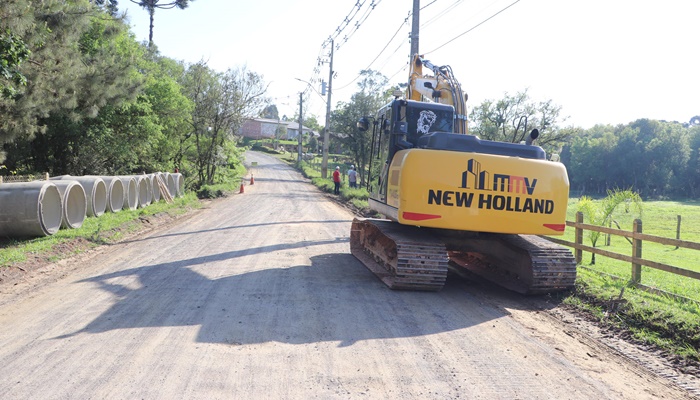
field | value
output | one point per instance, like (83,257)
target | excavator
(451,199)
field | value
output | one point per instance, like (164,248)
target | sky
(602,61)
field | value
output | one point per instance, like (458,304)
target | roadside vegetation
(105,229)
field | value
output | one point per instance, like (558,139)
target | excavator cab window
(422,118)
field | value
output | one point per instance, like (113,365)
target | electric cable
(472,28)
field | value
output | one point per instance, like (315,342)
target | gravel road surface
(257,296)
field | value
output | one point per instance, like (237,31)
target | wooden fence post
(579,238)
(678,229)
(637,252)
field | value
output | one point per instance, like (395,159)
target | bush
(351,194)
(324,184)
(210,192)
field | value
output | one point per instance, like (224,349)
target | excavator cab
(398,126)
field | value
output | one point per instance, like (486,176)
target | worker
(352,177)
(336,180)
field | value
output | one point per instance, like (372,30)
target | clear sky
(603,61)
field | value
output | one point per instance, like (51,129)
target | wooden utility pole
(415,22)
(301,124)
(326,129)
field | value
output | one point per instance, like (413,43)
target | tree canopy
(86,98)
(371,96)
(152,5)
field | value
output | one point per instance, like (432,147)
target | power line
(441,13)
(380,53)
(472,28)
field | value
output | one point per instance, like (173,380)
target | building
(262,128)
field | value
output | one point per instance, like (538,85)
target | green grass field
(670,323)
(658,218)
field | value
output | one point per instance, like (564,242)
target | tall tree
(221,102)
(94,76)
(151,5)
(77,63)
(511,119)
(270,112)
(367,101)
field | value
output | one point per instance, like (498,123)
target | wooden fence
(635,259)
(24,178)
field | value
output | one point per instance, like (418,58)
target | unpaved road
(257,296)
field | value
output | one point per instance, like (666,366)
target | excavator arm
(440,87)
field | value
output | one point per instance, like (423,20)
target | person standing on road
(352,177)
(336,180)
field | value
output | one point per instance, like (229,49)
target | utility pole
(415,22)
(326,133)
(301,124)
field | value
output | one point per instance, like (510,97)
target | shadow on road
(333,299)
(233,227)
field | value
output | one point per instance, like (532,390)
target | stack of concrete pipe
(41,208)
(73,202)
(145,190)
(179,183)
(154,185)
(115,193)
(131,194)
(30,209)
(94,189)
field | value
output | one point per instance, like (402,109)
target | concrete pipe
(170,183)
(30,209)
(179,183)
(115,193)
(95,192)
(74,203)
(131,200)
(156,189)
(144,194)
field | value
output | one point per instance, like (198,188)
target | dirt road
(257,296)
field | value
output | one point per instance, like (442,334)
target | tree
(367,101)
(109,5)
(601,213)
(13,52)
(270,112)
(512,118)
(151,5)
(221,102)
(79,63)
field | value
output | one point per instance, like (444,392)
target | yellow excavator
(450,198)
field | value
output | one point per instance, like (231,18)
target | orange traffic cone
(252,180)
(242,190)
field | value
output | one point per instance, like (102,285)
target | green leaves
(13,51)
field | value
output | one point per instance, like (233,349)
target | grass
(666,322)
(659,218)
(107,228)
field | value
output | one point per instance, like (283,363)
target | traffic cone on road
(252,180)
(242,189)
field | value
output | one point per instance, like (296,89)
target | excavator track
(399,255)
(526,264)
(412,258)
